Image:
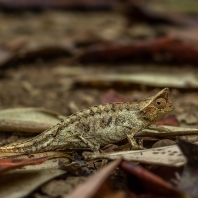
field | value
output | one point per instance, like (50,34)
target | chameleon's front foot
(94,148)
(134,145)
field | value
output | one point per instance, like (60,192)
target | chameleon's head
(156,107)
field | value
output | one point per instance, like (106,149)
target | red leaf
(170,120)
(113,96)
(143,181)
(8,164)
(165,49)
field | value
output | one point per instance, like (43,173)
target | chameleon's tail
(34,145)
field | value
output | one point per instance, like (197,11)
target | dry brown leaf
(169,155)
(167,131)
(28,119)
(148,79)
(57,188)
(20,183)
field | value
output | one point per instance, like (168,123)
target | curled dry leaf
(28,119)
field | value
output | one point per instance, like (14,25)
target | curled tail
(34,145)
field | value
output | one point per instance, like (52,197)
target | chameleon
(97,126)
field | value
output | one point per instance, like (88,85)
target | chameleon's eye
(160,103)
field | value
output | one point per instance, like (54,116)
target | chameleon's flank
(98,126)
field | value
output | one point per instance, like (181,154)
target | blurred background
(66,55)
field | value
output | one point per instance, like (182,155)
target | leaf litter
(35,171)
(28,119)
(41,58)
(189,176)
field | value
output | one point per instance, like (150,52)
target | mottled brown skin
(98,126)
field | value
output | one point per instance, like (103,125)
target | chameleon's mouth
(169,106)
